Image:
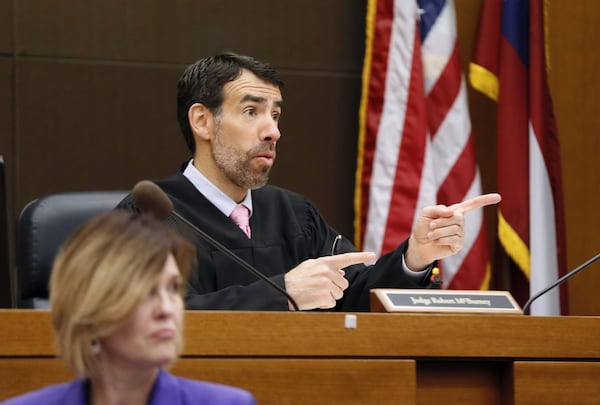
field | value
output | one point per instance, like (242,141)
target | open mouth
(266,157)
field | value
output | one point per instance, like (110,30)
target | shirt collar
(212,193)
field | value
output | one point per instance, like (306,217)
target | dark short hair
(203,81)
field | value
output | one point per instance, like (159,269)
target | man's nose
(270,132)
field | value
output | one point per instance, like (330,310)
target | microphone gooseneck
(150,198)
(559,282)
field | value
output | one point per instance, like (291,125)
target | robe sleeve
(387,272)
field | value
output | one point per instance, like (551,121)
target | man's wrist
(411,258)
(410,270)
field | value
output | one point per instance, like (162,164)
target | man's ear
(201,121)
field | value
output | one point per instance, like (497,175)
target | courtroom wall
(88,98)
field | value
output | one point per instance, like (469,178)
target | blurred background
(88,89)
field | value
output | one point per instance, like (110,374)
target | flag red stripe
(410,158)
(513,142)
(442,95)
(460,178)
(489,32)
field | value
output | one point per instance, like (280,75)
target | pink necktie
(240,217)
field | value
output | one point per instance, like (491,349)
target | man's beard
(236,164)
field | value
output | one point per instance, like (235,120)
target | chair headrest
(43,226)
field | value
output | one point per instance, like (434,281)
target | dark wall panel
(6,105)
(6,26)
(296,34)
(94,126)
(7,152)
(6,120)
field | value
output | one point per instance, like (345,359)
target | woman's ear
(201,121)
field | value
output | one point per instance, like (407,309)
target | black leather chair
(42,227)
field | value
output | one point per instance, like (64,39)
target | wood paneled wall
(88,98)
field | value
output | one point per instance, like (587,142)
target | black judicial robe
(287,229)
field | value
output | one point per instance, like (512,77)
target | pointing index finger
(477,202)
(347,259)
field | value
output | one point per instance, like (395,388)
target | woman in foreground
(116,296)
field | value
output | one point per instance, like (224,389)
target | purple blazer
(168,390)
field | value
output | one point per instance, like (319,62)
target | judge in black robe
(228,107)
(287,229)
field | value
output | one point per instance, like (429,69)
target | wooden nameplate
(457,301)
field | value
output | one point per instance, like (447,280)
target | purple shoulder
(194,391)
(217,394)
(71,393)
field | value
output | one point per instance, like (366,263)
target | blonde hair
(101,275)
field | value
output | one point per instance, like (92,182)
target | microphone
(149,197)
(559,281)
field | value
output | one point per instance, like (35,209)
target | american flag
(509,65)
(415,142)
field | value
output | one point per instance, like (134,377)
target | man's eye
(250,111)
(276,116)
